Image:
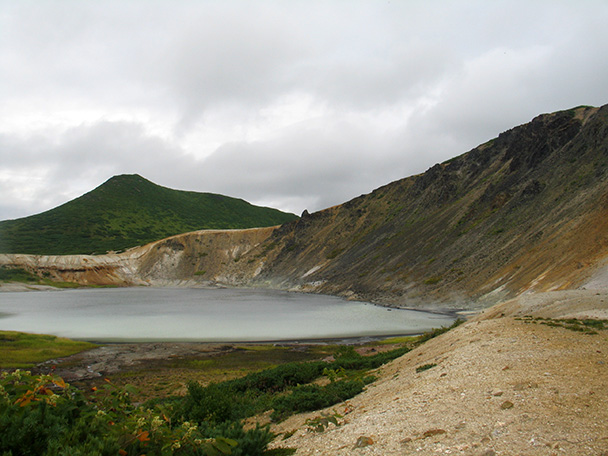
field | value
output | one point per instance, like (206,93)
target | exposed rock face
(527,211)
(197,258)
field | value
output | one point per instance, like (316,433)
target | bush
(212,403)
(438,331)
(279,378)
(251,442)
(307,398)
(45,416)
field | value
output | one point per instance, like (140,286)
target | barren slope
(501,386)
(190,259)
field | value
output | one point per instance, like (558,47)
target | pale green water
(159,314)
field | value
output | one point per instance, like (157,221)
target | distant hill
(127,211)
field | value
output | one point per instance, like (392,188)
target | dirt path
(501,386)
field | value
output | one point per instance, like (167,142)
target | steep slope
(195,258)
(126,211)
(527,209)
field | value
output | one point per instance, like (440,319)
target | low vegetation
(127,211)
(44,415)
(585,326)
(21,350)
(17,275)
(425,367)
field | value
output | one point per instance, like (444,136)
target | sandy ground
(501,386)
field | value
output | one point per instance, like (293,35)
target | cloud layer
(297,105)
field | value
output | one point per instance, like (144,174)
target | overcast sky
(291,104)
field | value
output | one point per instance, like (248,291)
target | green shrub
(279,378)
(251,442)
(307,398)
(42,415)
(425,367)
(212,403)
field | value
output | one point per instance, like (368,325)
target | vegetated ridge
(527,211)
(127,211)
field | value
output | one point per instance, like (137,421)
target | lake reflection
(211,315)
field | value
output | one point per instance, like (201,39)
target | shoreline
(433,308)
(347,340)
(121,358)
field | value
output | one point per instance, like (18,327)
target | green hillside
(127,211)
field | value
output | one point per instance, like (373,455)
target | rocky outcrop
(527,211)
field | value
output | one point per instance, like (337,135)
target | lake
(209,315)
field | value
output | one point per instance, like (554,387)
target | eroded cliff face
(196,258)
(527,211)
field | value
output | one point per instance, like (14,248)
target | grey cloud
(329,160)
(57,170)
(242,59)
(394,88)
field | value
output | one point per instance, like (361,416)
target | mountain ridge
(452,231)
(525,211)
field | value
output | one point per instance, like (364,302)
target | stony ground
(500,386)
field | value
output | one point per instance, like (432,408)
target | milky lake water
(211,315)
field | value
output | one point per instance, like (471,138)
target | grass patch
(425,367)
(63,284)
(433,280)
(10,274)
(22,350)
(245,360)
(397,340)
(17,275)
(585,326)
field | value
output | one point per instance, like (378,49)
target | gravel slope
(501,386)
